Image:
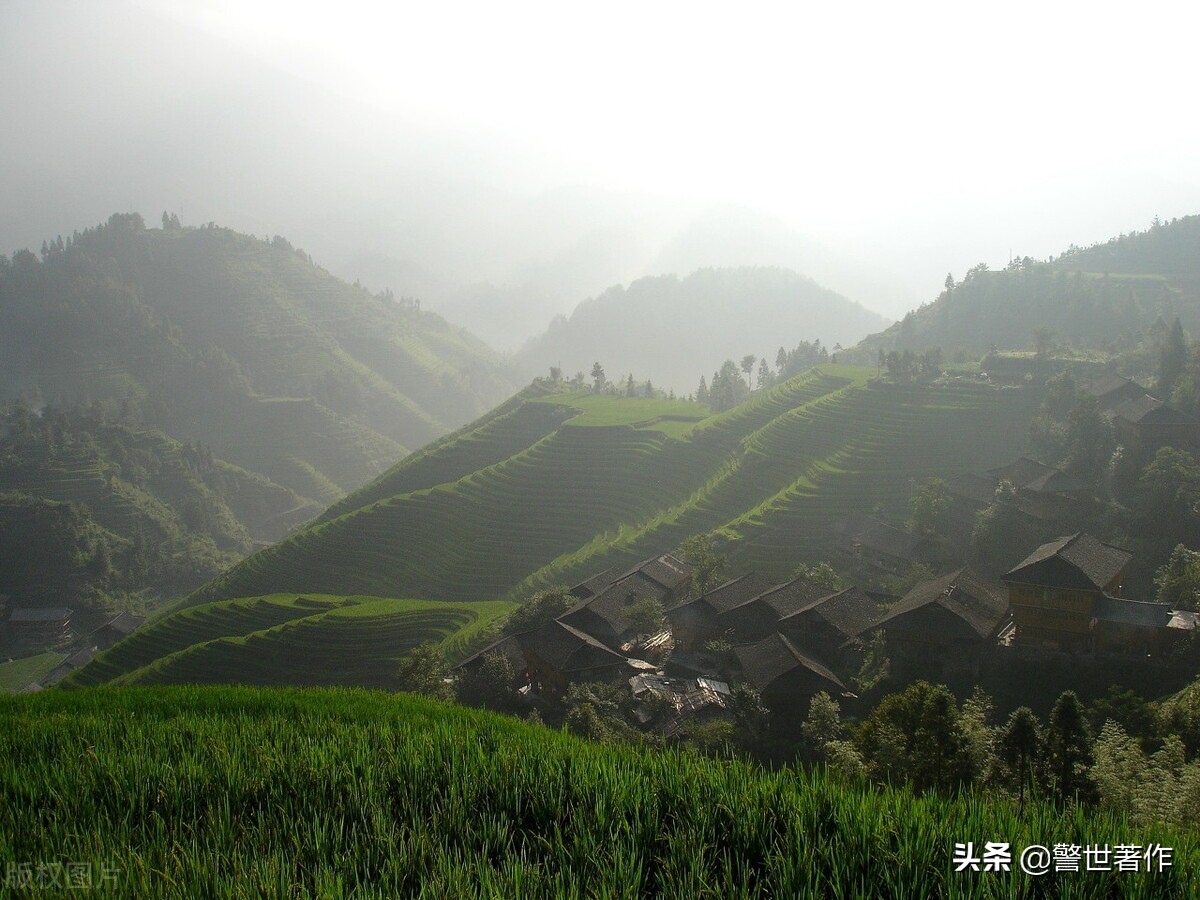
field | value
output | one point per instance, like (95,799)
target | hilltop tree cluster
(733,383)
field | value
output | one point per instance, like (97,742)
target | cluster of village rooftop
(795,639)
(52,627)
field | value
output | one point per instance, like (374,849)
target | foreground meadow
(224,792)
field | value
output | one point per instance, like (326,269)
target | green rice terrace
(236,792)
(563,485)
(288,640)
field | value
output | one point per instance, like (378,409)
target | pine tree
(1021,750)
(1172,360)
(1069,749)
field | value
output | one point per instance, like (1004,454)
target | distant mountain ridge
(1101,297)
(675,329)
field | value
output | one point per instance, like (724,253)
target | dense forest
(175,396)
(242,343)
(93,511)
(1106,298)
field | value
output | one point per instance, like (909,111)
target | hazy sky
(914,138)
(832,115)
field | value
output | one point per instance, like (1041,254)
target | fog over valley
(504,172)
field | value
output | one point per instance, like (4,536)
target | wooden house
(116,629)
(1055,590)
(696,621)
(834,626)
(43,625)
(883,546)
(786,677)
(1111,391)
(555,655)
(756,618)
(945,627)
(1149,425)
(603,612)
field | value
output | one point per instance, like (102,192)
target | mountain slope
(242,344)
(1100,297)
(623,477)
(91,509)
(674,330)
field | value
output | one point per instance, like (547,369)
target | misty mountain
(728,236)
(241,344)
(1103,297)
(424,210)
(673,330)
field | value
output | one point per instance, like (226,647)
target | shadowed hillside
(242,344)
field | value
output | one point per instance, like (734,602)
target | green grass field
(774,474)
(285,639)
(242,792)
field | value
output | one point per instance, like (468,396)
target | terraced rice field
(494,440)
(774,474)
(287,640)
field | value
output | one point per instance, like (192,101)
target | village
(793,640)
(1061,619)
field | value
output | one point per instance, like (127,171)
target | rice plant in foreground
(232,792)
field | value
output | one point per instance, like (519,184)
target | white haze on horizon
(552,149)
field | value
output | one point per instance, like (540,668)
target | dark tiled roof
(1110,384)
(562,646)
(851,524)
(1093,562)
(594,585)
(568,649)
(1022,472)
(1132,612)
(732,593)
(980,603)
(880,537)
(1056,482)
(979,488)
(851,612)
(668,570)
(1148,411)
(1137,409)
(80,657)
(125,623)
(656,578)
(791,597)
(508,647)
(24,614)
(607,610)
(765,662)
